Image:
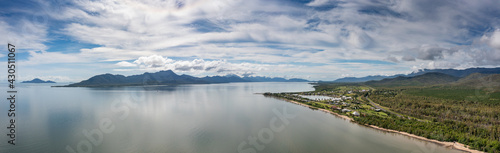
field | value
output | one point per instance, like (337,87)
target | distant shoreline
(452,145)
(165,84)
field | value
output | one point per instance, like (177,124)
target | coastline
(452,145)
(320,109)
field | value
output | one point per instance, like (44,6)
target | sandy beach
(453,145)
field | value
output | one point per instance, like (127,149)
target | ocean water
(207,118)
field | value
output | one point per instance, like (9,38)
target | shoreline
(452,145)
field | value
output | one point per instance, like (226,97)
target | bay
(211,118)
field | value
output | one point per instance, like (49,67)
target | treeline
(474,123)
(438,131)
(328,86)
(438,109)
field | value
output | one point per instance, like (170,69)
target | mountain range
(474,80)
(452,72)
(168,78)
(431,78)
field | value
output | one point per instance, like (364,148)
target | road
(377,106)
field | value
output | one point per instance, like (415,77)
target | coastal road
(377,106)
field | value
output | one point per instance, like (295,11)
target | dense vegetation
(476,138)
(452,72)
(420,80)
(338,86)
(459,94)
(448,115)
(443,107)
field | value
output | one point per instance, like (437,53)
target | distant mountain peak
(166,71)
(231,75)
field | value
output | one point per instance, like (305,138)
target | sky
(70,41)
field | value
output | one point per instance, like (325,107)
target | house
(345,97)
(345,110)
(377,110)
(355,113)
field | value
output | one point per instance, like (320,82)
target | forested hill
(432,78)
(452,72)
(478,80)
(167,78)
(474,80)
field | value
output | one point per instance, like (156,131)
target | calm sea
(209,118)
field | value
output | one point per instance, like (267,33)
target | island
(168,77)
(37,80)
(459,112)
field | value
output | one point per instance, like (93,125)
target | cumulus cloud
(493,39)
(156,62)
(153,61)
(198,65)
(462,57)
(431,52)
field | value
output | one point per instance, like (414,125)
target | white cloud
(153,61)
(216,35)
(195,66)
(317,3)
(125,64)
(43,57)
(24,34)
(493,40)
(461,57)
(99,54)
(359,39)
